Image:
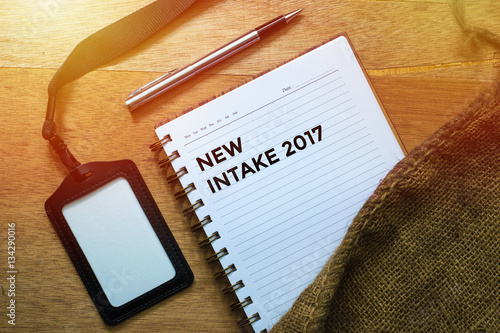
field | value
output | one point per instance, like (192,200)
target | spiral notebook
(276,169)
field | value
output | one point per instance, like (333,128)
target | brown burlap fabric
(423,254)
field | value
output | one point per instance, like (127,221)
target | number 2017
(300,142)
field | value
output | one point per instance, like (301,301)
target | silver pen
(177,76)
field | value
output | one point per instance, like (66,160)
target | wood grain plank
(385,33)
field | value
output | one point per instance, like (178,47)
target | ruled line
(300,213)
(270,210)
(334,242)
(325,73)
(319,195)
(303,236)
(269,274)
(274,101)
(303,239)
(321,166)
(246,124)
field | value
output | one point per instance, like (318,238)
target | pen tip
(290,16)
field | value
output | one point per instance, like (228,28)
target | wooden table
(414,51)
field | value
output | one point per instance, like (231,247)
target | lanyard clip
(49,133)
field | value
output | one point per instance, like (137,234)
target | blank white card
(119,242)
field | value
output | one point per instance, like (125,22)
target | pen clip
(153,83)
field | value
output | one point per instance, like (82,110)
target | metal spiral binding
(233,288)
(206,220)
(159,144)
(209,239)
(184,191)
(178,174)
(216,256)
(199,203)
(250,320)
(168,160)
(242,304)
(226,271)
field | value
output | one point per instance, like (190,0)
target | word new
(217,155)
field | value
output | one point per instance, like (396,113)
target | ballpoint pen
(177,76)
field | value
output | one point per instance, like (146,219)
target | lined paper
(289,159)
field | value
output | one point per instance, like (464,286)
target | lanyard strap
(101,47)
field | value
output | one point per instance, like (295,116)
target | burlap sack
(423,254)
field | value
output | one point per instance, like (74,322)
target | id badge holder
(117,238)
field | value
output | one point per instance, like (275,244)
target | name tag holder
(117,238)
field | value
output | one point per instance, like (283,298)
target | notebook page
(282,165)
